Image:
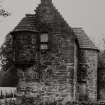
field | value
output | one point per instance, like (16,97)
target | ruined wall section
(88,62)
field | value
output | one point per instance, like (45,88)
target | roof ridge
(46,1)
(29,15)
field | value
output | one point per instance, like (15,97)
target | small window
(44,46)
(44,38)
(44,41)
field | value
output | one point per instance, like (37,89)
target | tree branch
(4,13)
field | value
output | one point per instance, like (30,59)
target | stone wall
(101,83)
(51,77)
(88,62)
(25,47)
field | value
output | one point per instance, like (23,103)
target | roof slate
(48,17)
(27,24)
(83,39)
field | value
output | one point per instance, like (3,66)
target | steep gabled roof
(47,17)
(83,39)
(47,13)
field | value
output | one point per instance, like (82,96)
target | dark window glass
(82,73)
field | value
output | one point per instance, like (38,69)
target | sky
(88,14)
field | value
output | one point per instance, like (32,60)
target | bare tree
(6,53)
(7,63)
(3,12)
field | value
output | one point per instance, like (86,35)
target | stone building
(55,62)
(101,76)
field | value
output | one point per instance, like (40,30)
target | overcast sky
(89,14)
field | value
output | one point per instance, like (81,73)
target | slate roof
(32,22)
(46,17)
(83,39)
(27,24)
(46,12)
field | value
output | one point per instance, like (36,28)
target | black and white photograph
(52,52)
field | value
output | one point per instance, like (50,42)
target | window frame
(46,42)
